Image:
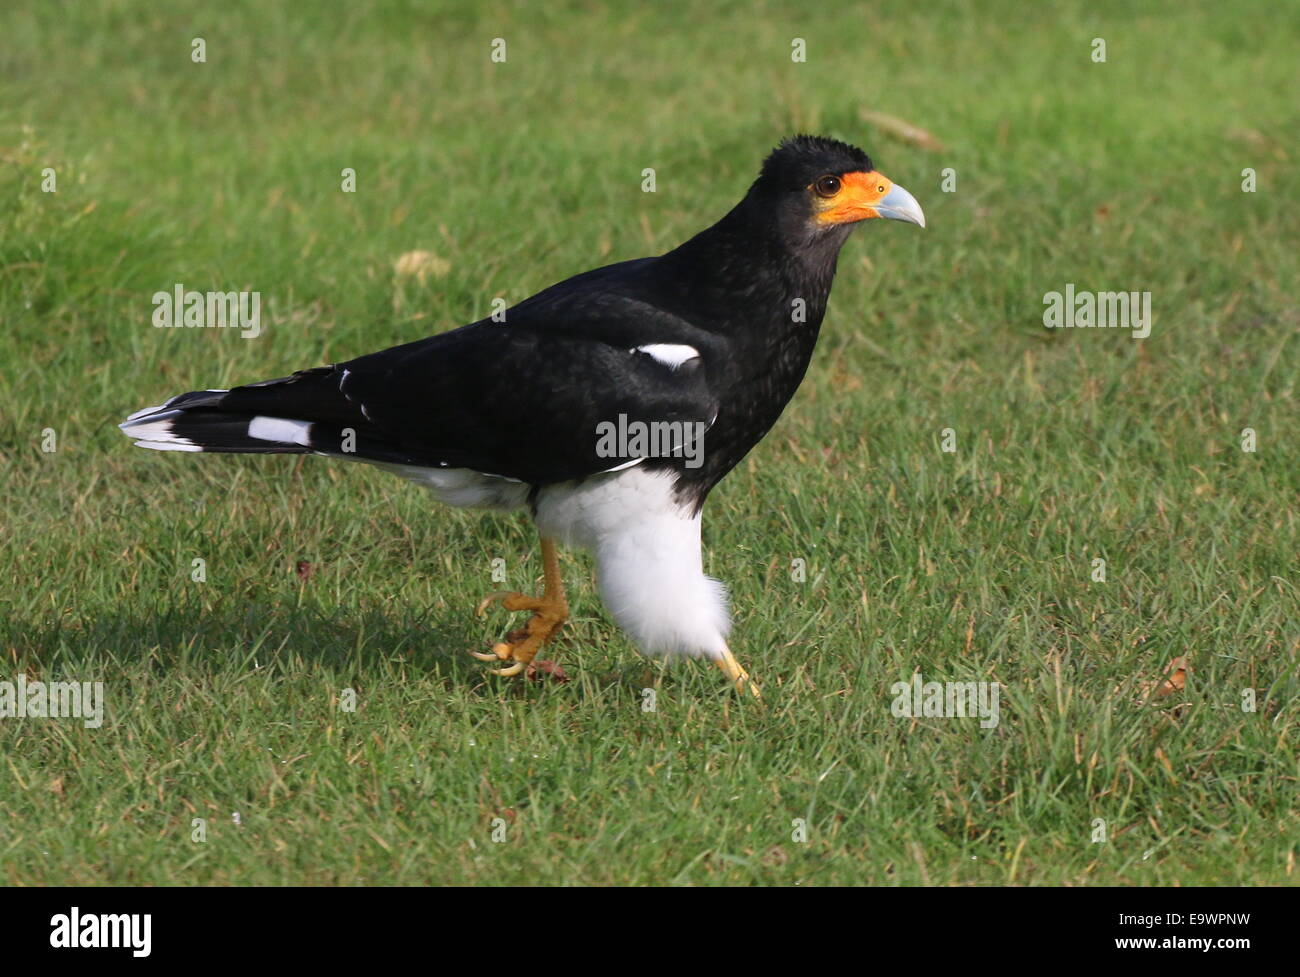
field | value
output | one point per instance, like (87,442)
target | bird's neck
(765,288)
(746,261)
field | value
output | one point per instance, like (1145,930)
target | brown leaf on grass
(1164,760)
(1250,137)
(843,380)
(903,131)
(304,569)
(1175,681)
(421,265)
(775,857)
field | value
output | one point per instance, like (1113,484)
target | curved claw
(739,677)
(490,598)
(500,652)
(549,611)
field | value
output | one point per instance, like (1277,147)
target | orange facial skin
(859,193)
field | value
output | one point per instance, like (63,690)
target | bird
(606,407)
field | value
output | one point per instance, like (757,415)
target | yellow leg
(739,677)
(549,612)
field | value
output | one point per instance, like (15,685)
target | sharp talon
(501,652)
(549,611)
(740,679)
(494,596)
(743,683)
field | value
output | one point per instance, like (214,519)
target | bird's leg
(549,612)
(739,677)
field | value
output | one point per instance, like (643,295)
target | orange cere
(857,199)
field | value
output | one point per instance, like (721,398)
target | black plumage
(522,397)
(714,336)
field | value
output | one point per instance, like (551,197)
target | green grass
(973,565)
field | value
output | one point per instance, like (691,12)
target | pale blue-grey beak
(900,205)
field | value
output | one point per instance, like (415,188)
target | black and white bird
(607,406)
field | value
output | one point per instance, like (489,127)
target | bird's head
(822,187)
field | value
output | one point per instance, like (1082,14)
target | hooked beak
(900,205)
(864,195)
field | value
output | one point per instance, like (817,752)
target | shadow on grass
(256,633)
(351,642)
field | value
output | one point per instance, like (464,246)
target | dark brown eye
(827,186)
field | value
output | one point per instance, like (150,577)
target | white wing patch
(671,355)
(280,429)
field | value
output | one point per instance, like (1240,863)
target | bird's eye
(827,186)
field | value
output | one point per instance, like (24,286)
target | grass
(224,696)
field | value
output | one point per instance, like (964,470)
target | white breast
(648,563)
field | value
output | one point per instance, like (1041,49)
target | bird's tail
(301,414)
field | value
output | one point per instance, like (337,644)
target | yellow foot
(739,677)
(520,647)
(549,612)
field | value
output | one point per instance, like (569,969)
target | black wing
(524,398)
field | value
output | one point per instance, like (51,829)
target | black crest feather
(801,159)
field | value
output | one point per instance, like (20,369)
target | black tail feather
(302,414)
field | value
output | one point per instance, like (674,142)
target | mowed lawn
(977,564)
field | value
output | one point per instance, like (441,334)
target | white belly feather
(646,546)
(463,488)
(648,564)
